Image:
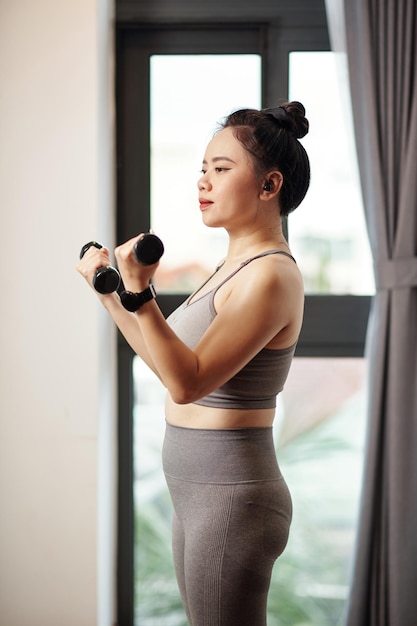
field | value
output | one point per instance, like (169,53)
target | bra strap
(266,253)
(244,263)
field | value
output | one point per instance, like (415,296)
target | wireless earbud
(268,186)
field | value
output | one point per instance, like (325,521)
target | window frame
(334,325)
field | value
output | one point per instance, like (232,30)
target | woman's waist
(225,455)
(207,417)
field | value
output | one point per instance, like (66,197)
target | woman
(223,356)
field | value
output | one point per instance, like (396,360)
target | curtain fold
(381,48)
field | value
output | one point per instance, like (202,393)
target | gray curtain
(381,46)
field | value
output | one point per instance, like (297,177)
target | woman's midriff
(197,416)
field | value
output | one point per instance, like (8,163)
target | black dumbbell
(107,278)
(147,250)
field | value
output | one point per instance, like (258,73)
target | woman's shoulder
(274,270)
(273,279)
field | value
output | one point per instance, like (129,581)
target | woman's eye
(216,169)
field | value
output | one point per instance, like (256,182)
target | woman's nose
(202,182)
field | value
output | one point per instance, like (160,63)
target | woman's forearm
(127,324)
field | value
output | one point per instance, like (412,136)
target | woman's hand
(135,276)
(92,259)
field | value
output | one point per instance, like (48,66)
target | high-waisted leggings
(232,513)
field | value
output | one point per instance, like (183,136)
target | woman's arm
(245,323)
(258,307)
(125,321)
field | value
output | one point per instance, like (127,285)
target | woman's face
(228,188)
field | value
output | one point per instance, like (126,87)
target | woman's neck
(242,247)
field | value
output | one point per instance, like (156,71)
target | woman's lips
(204,203)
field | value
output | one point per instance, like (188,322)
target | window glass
(319,434)
(327,232)
(189,95)
(319,425)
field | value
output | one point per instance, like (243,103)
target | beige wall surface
(57,400)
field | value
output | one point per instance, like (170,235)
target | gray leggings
(232,513)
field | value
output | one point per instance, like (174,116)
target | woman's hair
(271,137)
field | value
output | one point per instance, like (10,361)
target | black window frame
(334,326)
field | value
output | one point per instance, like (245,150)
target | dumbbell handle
(147,250)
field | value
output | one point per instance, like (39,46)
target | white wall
(57,400)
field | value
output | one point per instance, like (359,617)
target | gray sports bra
(258,383)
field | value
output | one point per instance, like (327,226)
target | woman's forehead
(225,144)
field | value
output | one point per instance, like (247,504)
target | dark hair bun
(296,114)
(291,117)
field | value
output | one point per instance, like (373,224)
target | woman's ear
(271,185)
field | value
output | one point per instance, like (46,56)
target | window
(318,434)
(139,51)
(210,87)
(328,233)
(320,415)
(315,431)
